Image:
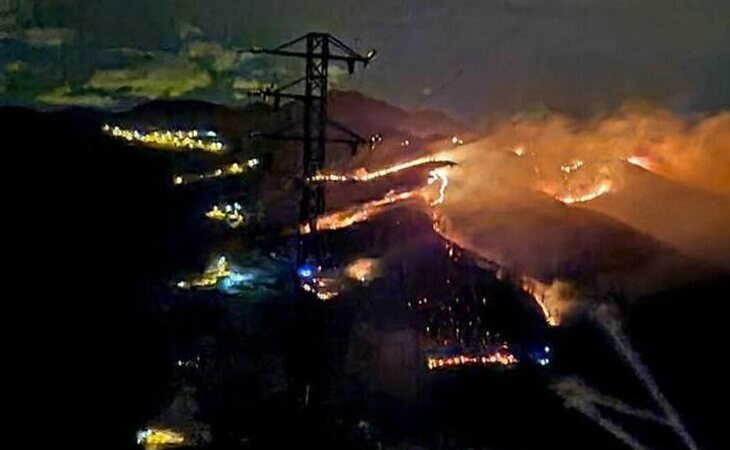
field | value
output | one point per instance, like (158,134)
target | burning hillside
(637,199)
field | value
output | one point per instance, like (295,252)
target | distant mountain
(363,114)
(694,221)
(370,116)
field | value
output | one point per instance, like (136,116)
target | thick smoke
(627,203)
(636,198)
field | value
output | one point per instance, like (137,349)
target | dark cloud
(471,57)
(164,77)
(65,96)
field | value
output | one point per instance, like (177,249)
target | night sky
(472,58)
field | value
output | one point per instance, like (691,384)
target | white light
(142,435)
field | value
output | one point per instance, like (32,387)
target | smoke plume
(640,197)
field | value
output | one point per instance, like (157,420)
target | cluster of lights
(209,278)
(501,357)
(220,274)
(228,170)
(375,139)
(230,213)
(544,361)
(189,363)
(206,141)
(313,280)
(156,438)
(322,288)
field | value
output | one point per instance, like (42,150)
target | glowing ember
(363,175)
(641,161)
(501,357)
(350,216)
(322,286)
(604,187)
(572,166)
(439,175)
(156,438)
(362,270)
(552,299)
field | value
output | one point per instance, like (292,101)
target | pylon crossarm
(346,130)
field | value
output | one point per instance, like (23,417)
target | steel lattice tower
(319,50)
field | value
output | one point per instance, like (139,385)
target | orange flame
(553,299)
(604,187)
(362,270)
(500,357)
(362,174)
(641,161)
(350,216)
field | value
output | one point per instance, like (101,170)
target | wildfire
(324,289)
(351,216)
(552,299)
(604,187)
(439,175)
(572,166)
(501,357)
(641,161)
(325,285)
(362,174)
(362,270)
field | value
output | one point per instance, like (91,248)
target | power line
(318,50)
